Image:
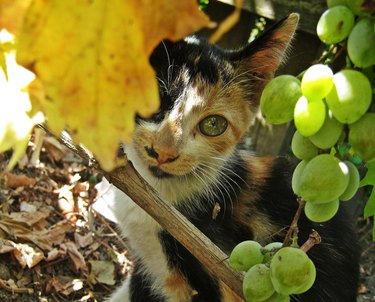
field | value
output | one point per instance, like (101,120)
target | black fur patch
(336,258)
(220,230)
(140,287)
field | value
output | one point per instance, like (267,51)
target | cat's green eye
(213,125)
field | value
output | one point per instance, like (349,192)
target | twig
(17,289)
(127,179)
(118,237)
(325,55)
(228,23)
(52,263)
(314,238)
(131,183)
(294,225)
(331,50)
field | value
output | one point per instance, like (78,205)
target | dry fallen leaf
(28,218)
(26,255)
(45,239)
(103,271)
(83,240)
(6,246)
(76,257)
(95,68)
(64,285)
(14,181)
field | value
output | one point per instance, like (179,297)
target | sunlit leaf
(11,14)
(92,58)
(15,121)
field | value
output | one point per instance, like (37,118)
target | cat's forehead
(188,71)
(193,58)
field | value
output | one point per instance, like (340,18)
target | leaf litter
(53,246)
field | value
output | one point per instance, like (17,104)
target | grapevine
(333,112)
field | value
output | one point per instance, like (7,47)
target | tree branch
(127,179)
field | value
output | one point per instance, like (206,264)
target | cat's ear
(259,60)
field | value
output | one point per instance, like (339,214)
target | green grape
(317,82)
(257,285)
(276,297)
(321,212)
(245,255)
(362,136)
(332,3)
(361,43)
(270,249)
(350,96)
(329,134)
(279,98)
(297,174)
(355,5)
(353,184)
(323,179)
(335,24)
(309,116)
(292,271)
(302,147)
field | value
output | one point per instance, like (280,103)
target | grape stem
(293,229)
(314,238)
(334,50)
(331,50)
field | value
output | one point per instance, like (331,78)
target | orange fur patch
(245,212)
(177,287)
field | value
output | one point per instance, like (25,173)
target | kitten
(190,153)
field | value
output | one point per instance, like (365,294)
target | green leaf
(370,205)
(369,178)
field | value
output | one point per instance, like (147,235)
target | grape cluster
(334,116)
(329,109)
(273,272)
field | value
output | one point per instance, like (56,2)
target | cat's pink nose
(161,155)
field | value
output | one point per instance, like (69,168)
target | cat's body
(189,152)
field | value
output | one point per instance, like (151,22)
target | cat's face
(208,100)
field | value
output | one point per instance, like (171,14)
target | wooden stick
(17,289)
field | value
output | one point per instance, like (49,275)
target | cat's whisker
(170,66)
(223,175)
(162,84)
(207,191)
(224,167)
(234,79)
(220,195)
(220,185)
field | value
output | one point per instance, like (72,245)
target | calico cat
(190,152)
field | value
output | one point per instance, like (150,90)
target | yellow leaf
(11,14)
(15,123)
(92,58)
